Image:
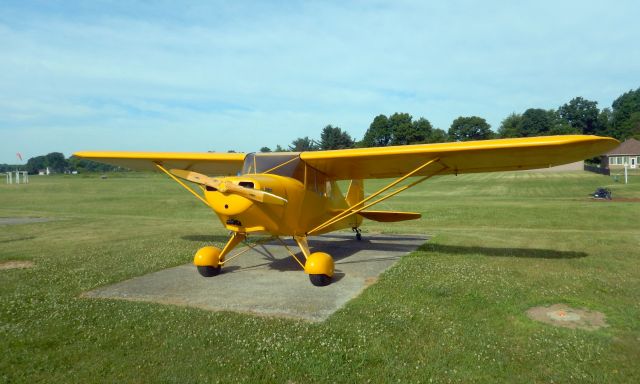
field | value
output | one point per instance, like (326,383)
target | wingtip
(610,142)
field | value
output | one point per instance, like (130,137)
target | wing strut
(163,169)
(353,210)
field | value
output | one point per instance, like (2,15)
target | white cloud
(173,77)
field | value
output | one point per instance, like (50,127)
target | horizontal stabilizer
(389,216)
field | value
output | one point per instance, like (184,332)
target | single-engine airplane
(296,193)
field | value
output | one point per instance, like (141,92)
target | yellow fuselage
(305,209)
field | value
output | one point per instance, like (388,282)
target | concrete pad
(268,281)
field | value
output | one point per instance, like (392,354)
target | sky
(240,75)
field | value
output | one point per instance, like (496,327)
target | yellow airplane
(296,193)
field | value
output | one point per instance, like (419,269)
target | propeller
(225,186)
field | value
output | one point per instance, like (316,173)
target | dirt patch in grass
(561,315)
(16,264)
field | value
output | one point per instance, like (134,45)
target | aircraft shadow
(18,239)
(502,252)
(341,248)
(365,238)
(213,239)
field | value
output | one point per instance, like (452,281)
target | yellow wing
(214,164)
(459,157)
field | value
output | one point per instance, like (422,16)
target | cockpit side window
(315,180)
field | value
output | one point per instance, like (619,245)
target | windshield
(283,164)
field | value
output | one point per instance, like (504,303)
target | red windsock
(19,156)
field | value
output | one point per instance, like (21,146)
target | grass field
(453,311)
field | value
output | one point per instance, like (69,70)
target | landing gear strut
(358,233)
(209,259)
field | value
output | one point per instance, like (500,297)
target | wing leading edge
(384,162)
(458,157)
(213,164)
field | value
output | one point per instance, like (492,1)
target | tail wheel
(208,271)
(320,280)
(358,233)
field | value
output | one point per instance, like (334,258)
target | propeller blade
(228,187)
(256,195)
(197,178)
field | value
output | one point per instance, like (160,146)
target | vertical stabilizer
(355,194)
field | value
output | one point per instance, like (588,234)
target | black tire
(208,271)
(320,280)
(359,236)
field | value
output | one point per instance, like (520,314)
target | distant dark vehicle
(602,193)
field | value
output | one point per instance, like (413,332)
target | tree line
(578,116)
(57,163)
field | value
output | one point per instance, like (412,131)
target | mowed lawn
(453,311)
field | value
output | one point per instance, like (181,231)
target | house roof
(628,147)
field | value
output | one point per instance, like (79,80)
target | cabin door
(633,162)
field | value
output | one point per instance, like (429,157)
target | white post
(626,181)
(17,177)
(25,175)
(10,175)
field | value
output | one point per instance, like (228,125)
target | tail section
(389,216)
(355,194)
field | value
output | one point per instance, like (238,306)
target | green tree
(303,144)
(56,162)
(335,138)
(469,128)
(398,129)
(623,109)
(631,127)
(419,132)
(12,167)
(581,114)
(83,165)
(35,164)
(280,149)
(560,126)
(401,127)
(379,133)
(510,126)
(437,135)
(535,122)
(605,119)
(265,149)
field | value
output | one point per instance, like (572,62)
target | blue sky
(199,76)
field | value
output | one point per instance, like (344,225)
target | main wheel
(208,271)
(207,259)
(320,280)
(358,236)
(319,267)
